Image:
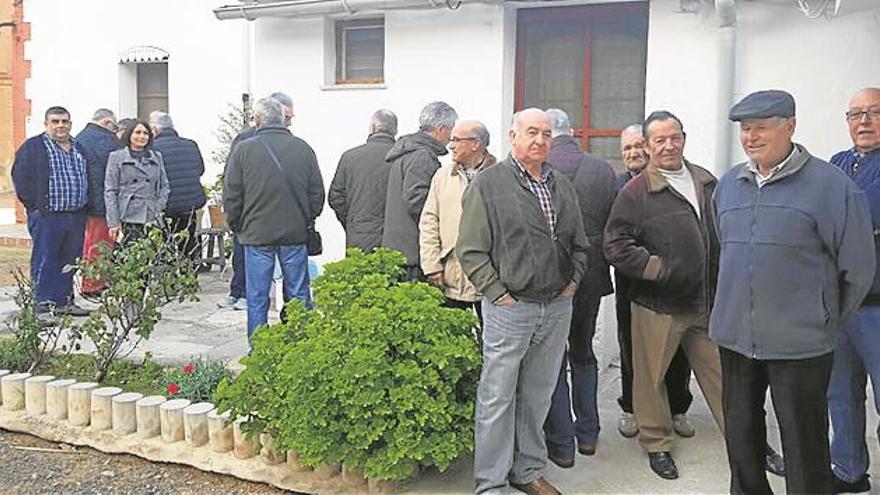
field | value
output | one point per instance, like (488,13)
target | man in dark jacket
(797,258)
(678,376)
(272,191)
(857,354)
(413,163)
(521,242)
(357,193)
(593,180)
(51,181)
(184,167)
(661,234)
(98,138)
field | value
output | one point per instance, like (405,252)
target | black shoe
(863,485)
(73,310)
(561,459)
(774,464)
(663,465)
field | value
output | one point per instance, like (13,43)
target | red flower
(188,368)
(173,388)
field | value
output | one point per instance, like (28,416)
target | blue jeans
(856,357)
(522,350)
(559,428)
(260,264)
(57,239)
(237,283)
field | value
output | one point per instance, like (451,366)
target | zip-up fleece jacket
(505,245)
(797,258)
(864,170)
(655,238)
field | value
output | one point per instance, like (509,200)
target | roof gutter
(320,8)
(725,12)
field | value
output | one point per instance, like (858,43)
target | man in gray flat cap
(796,261)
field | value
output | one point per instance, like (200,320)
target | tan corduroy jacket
(438,231)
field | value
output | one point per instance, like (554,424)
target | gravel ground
(84,471)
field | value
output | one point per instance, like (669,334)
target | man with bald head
(522,243)
(857,355)
(438,224)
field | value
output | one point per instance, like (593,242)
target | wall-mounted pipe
(319,8)
(725,12)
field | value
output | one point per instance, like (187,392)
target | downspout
(725,11)
(319,8)
(249,35)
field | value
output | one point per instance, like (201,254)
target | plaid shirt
(68,184)
(541,190)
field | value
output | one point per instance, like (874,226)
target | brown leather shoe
(538,487)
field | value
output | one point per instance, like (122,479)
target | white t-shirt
(682,181)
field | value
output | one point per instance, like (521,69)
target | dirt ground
(10,258)
(29,469)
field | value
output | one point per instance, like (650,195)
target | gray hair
(478,130)
(436,115)
(269,111)
(103,113)
(282,98)
(385,121)
(559,123)
(161,120)
(633,129)
(515,120)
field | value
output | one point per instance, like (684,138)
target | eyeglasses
(872,114)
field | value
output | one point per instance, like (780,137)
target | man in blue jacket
(98,138)
(184,166)
(50,178)
(857,354)
(796,261)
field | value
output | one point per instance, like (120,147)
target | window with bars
(360,51)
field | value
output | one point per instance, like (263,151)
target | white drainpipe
(318,8)
(725,11)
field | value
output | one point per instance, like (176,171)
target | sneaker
(683,426)
(863,485)
(73,310)
(627,425)
(240,304)
(227,302)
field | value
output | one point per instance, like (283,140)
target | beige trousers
(655,338)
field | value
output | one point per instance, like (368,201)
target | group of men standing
(60,179)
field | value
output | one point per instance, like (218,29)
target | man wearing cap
(796,261)
(857,353)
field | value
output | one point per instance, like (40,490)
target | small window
(152,88)
(360,51)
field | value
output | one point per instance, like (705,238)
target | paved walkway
(201,329)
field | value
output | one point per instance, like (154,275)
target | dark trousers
(238,284)
(678,376)
(476,307)
(797,388)
(559,429)
(414,273)
(57,240)
(192,245)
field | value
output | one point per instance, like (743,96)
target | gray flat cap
(763,105)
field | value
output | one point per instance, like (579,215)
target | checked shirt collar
(541,190)
(68,187)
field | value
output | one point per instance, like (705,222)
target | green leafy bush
(195,381)
(379,376)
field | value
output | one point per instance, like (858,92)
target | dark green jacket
(504,242)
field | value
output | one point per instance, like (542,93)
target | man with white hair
(593,180)
(413,163)
(98,139)
(272,192)
(357,193)
(522,244)
(184,166)
(438,226)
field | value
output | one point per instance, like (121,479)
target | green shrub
(12,357)
(195,381)
(379,376)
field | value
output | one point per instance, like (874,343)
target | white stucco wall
(429,55)
(822,63)
(74,52)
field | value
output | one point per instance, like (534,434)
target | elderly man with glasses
(857,355)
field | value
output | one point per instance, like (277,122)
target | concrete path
(201,329)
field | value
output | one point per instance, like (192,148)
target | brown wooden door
(590,62)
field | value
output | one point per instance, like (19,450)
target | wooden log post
(195,423)
(171,419)
(12,390)
(147,412)
(125,412)
(35,394)
(102,407)
(79,403)
(56,398)
(220,432)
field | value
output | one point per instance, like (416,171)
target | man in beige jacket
(438,225)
